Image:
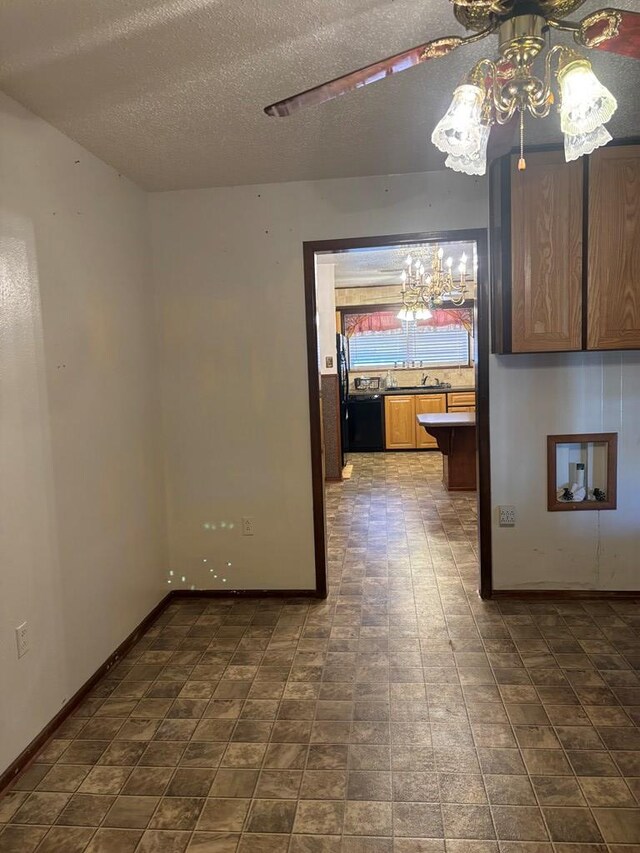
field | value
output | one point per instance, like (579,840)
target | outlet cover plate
(507,516)
(247,526)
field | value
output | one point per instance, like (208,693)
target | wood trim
(482,338)
(584,331)
(611,439)
(315,415)
(566,594)
(500,243)
(31,751)
(246,593)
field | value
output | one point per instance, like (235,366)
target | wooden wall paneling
(546,254)
(613,278)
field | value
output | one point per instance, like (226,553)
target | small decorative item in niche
(582,471)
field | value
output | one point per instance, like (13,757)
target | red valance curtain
(385,321)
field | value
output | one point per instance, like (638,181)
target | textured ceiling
(170,92)
(383,266)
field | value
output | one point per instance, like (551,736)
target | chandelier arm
(505,116)
(540,111)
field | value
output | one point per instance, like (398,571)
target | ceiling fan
(495,91)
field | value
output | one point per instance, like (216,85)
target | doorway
(419,243)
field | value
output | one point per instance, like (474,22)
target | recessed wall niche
(582,471)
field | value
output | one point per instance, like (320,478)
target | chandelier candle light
(494,92)
(422,293)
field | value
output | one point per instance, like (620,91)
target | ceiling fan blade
(372,73)
(613,30)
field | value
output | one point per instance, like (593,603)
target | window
(379,339)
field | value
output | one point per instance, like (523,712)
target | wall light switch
(507,516)
(22,639)
(328,361)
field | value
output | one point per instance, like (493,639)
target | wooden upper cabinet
(613,280)
(546,254)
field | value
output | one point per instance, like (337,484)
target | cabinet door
(399,422)
(427,404)
(546,254)
(613,289)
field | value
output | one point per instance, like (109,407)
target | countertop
(452,419)
(420,389)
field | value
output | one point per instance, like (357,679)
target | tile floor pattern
(403,714)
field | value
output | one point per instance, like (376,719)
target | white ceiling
(170,92)
(383,266)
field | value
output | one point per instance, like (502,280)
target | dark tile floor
(403,714)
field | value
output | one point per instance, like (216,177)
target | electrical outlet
(328,361)
(22,639)
(507,516)
(247,526)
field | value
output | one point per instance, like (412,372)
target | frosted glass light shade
(476,164)
(584,143)
(459,131)
(423,314)
(586,103)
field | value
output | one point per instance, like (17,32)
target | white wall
(80,492)
(326,303)
(536,396)
(228,267)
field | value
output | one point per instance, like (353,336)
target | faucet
(424,378)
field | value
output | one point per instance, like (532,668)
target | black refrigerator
(342,348)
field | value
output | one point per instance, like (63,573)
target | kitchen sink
(442,387)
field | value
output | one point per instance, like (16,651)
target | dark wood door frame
(482,342)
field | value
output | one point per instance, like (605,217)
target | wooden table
(456,437)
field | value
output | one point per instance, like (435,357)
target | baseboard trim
(246,593)
(566,594)
(31,751)
(27,755)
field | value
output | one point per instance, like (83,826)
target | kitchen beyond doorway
(398,365)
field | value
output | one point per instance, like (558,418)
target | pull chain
(522,163)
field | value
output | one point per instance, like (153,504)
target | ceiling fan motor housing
(522,38)
(478,17)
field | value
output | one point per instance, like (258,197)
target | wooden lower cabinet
(460,398)
(400,427)
(401,431)
(427,404)
(399,422)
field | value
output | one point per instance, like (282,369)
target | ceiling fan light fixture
(581,144)
(586,103)
(476,164)
(459,131)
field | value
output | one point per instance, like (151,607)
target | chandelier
(423,291)
(493,92)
